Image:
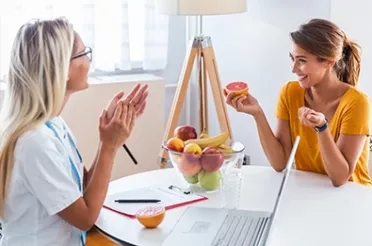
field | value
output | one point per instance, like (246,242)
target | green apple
(192,179)
(209,180)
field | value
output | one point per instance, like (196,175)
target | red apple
(185,132)
(211,159)
(187,167)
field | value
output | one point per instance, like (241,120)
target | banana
(214,141)
(225,149)
(204,134)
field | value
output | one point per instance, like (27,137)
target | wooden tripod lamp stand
(200,50)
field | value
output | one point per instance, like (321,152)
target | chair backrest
(370,163)
(370,157)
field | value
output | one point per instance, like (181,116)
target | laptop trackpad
(197,227)
(200,227)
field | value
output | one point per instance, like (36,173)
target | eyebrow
(297,56)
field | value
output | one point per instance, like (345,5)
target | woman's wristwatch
(321,128)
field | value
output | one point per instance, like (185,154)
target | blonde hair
(36,85)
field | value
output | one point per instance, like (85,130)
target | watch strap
(321,128)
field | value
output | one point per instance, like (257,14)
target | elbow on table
(278,169)
(86,225)
(338,183)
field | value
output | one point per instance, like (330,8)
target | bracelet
(322,128)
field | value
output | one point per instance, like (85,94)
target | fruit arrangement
(199,158)
(237,88)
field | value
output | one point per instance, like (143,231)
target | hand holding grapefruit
(237,88)
(240,99)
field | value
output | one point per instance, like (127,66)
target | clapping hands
(137,98)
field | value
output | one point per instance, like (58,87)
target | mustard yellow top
(352,116)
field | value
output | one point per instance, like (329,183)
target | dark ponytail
(348,67)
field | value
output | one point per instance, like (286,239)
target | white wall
(176,54)
(254,47)
(355,18)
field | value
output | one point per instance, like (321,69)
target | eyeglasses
(86,52)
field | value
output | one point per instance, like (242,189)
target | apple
(209,180)
(175,144)
(211,159)
(185,132)
(189,161)
(192,179)
(192,152)
(188,167)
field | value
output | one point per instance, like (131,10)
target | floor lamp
(200,49)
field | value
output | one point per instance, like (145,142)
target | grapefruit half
(237,87)
(151,216)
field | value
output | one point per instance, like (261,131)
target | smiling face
(309,68)
(79,66)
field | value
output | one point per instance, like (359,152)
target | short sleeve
(357,117)
(47,175)
(282,109)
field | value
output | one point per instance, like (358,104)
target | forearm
(335,164)
(97,187)
(273,149)
(89,173)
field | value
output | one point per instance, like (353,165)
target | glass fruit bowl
(203,168)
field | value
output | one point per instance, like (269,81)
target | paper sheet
(170,198)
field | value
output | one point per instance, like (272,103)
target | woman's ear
(330,63)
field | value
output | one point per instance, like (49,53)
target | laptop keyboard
(240,230)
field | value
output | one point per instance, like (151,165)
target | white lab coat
(42,184)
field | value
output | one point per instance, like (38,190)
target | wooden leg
(203,95)
(219,100)
(179,97)
(200,90)
(205,98)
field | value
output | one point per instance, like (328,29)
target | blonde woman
(46,195)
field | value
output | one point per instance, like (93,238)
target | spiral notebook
(170,196)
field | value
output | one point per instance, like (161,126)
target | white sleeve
(47,174)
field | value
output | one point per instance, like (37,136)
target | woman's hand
(244,103)
(114,132)
(137,97)
(309,117)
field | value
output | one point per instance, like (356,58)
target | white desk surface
(312,211)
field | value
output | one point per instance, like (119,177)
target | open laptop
(203,226)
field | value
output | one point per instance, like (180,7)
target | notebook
(170,196)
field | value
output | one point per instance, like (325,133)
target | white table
(311,212)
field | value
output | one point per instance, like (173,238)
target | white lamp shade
(200,7)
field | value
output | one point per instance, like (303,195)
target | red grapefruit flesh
(151,216)
(237,87)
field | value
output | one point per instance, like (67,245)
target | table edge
(116,240)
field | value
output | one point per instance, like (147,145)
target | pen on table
(137,200)
(130,154)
